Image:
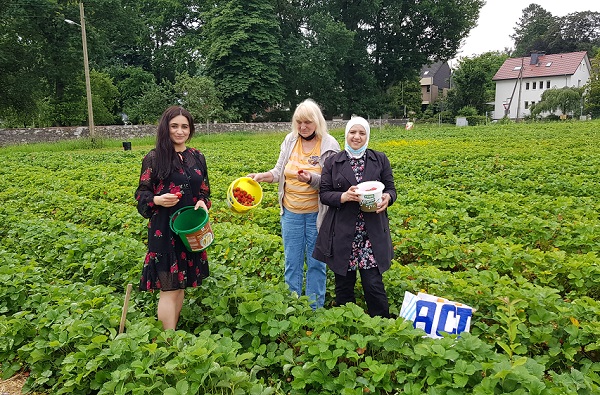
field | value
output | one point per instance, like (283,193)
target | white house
(520,82)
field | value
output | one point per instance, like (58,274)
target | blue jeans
(299,233)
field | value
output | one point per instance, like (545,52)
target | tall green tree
(472,83)
(37,60)
(393,40)
(539,31)
(533,30)
(151,104)
(243,56)
(171,38)
(131,82)
(41,59)
(406,35)
(291,17)
(105,99)
(580,31)
(327,46)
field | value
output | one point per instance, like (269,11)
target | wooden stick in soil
(125,307)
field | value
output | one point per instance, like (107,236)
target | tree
(38,62)
(42,71)
(327,46)
(171,37)
(472,81)
(540,31)
(404,98)
(567,100)
(394,39)
(580,31)
(264,56)
(533,30)
(151,104)
(242,55)
(592,88)
(200,97)
(104,99)
(403,36)
(132,83)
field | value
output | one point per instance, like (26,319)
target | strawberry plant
(503,218)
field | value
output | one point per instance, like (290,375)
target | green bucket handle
(174,216)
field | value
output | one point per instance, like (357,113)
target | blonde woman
(298,172)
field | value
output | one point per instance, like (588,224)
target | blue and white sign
(434,314)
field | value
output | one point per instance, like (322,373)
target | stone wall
(126,132)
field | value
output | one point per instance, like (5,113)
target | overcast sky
(498,18)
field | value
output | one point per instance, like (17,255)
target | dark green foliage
(472,82)
(243,56)
(503,218)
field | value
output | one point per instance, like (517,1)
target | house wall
(529,95)
(441,79)
(428,97)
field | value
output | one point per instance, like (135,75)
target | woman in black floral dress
(349,239)
(173,176)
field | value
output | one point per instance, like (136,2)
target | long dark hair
(165,152)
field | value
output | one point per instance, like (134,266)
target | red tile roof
(547,66)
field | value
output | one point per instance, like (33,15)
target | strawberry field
(504,218)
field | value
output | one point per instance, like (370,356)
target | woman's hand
(166,200)
(350,195)
(385,201)
(304,176)
(261,177)
(200,203)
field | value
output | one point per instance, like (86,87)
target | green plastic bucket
(192,227)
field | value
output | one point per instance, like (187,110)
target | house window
(527,86)
(428,88)
(534,85)
(541,84)
(526,105)
(548,84)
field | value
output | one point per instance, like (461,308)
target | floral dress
(361,256)
(168,264)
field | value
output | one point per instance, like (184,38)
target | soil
(13,385)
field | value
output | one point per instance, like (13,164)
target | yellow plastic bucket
(192,227)
(250,186)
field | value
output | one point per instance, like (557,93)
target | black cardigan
(334,242)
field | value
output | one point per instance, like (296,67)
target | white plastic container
(370,192)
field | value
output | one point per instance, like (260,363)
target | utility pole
(86,68)
(88,87)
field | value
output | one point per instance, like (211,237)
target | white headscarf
(357,121)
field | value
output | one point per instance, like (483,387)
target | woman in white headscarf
(351,240)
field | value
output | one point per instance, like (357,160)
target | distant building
(520,82)
(435,82)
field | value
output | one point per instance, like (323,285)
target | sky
(498,18)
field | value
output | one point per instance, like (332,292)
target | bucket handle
(174,216)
